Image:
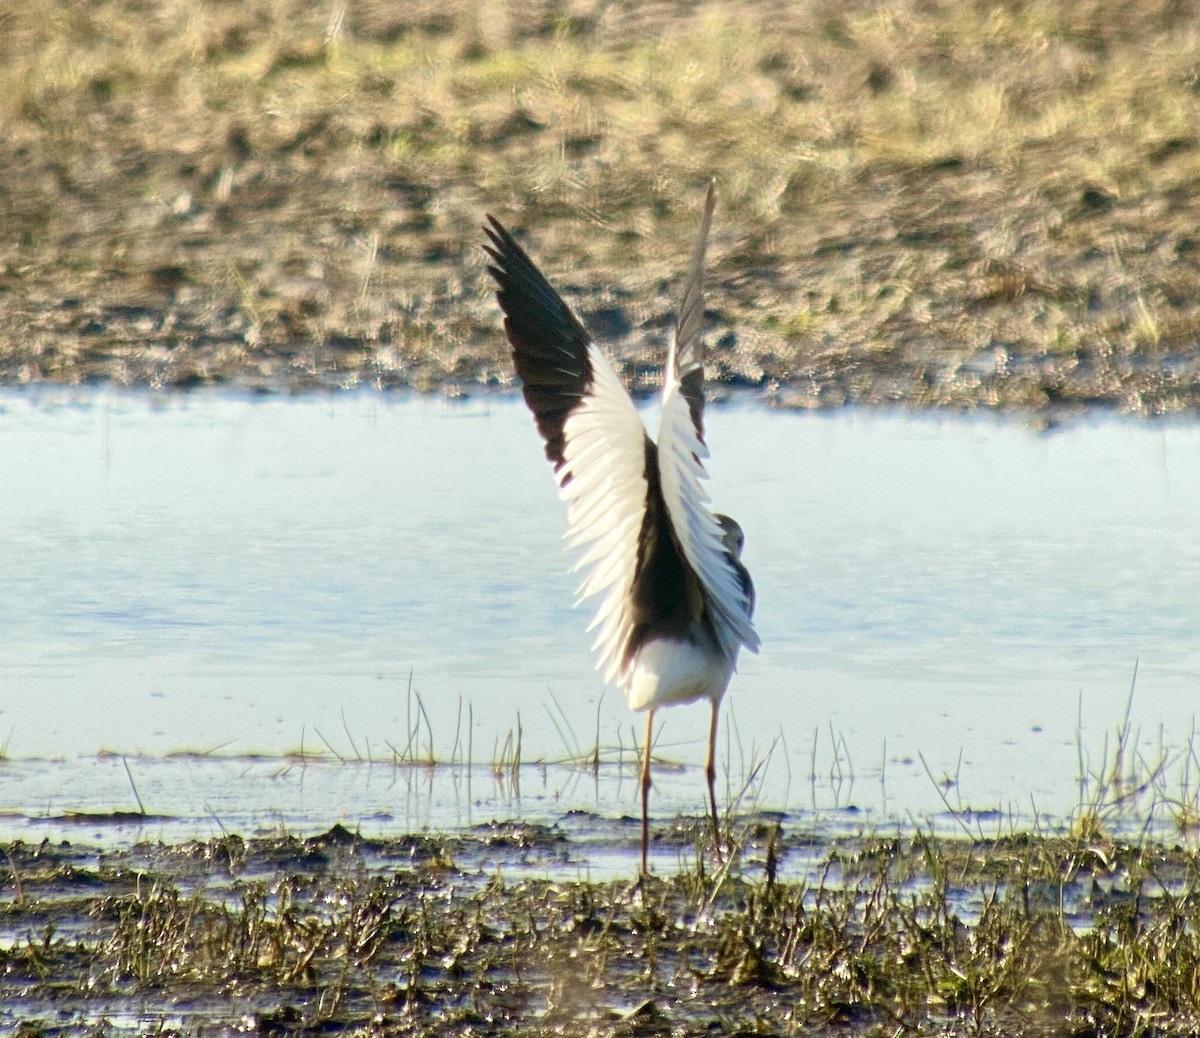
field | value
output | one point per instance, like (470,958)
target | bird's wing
(681,450)
(549,345)
(594,437)
(685,361)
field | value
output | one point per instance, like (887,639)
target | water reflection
(259,575)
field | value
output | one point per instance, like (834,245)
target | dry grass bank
(928,203)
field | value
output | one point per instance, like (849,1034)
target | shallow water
(216,573)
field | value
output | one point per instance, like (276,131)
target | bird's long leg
(646,788)
(710,773)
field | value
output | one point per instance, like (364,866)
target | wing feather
(549,344)
(594,438)
(603,481)
(681,450)
(685,361)
(696,529)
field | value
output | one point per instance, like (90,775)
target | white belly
(668,672)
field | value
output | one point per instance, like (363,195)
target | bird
(676,602)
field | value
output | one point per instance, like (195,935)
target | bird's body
(675,671)
(676,601)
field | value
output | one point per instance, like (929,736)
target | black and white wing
(681,453)
(594,438)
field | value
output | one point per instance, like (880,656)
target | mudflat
(943,204)
(426,935)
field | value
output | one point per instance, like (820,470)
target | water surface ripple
(375,578)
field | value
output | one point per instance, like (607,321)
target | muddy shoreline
(339,933)
(165,332)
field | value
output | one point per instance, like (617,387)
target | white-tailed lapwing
(676,600)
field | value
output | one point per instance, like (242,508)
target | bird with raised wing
(676,602)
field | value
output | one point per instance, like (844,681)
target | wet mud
(471,934)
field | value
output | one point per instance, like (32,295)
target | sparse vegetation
(1030,934)
(938,204)
(1085,925)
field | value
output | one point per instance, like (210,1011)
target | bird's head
(731,536)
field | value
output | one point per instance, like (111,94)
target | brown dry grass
(932,203)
